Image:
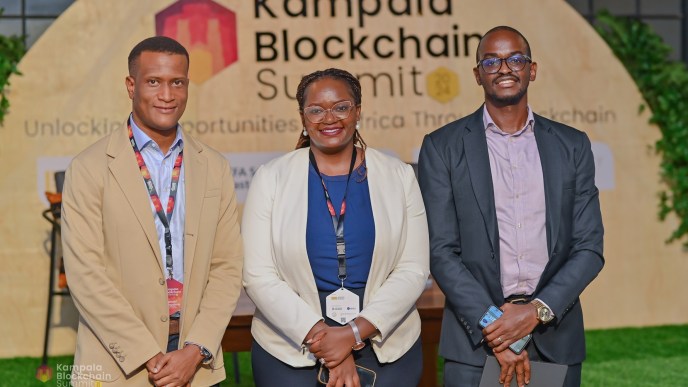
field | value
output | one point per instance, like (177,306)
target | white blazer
(278,275)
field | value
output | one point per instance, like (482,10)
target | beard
(507,99)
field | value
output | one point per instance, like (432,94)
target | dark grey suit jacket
(456,182)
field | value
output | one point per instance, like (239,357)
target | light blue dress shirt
(160,167)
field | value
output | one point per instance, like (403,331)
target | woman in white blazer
(325,295)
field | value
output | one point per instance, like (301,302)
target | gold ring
(500,340)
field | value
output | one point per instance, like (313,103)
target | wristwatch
(544,313)
(359,344)
(207,356)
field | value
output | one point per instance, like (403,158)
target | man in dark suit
(514,221)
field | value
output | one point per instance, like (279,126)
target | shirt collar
(490,125)
(143,140)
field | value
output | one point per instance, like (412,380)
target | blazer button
(163,318)
(112,345)
(162,281)
(121,359)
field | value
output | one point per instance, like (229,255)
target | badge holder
(175,290)
(342,305)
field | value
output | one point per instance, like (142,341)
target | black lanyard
(165,219)
(337,222)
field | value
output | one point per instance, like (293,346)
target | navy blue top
(359,230)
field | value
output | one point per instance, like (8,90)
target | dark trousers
(268,371)
(466,375)
(173,344)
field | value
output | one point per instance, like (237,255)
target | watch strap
(207,355)
(539,305)
(357,336)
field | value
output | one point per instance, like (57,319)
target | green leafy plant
(664,85)
(11,51)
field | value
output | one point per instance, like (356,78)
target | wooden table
(237,337)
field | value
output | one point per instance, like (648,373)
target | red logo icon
(207,30)
(44,373)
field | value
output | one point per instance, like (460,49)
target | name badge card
(342,306)
(175,290)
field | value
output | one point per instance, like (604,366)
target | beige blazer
(114,265)
(278,276)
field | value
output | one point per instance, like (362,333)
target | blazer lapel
(127,174)
(195,172)
(478,161)
(550,158)
(387,220)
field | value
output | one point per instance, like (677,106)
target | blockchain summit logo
(207,29)
(68,375)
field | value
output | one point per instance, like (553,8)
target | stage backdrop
(414,59)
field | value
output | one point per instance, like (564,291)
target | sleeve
(100,303)
(585,259)
(465,296)
(400,291)
(275,299)
(224,277)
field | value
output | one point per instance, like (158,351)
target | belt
(519,298)
(174,326)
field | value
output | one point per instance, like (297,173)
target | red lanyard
(337,222)
(164,218)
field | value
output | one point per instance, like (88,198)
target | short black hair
(156,44)
(502,28)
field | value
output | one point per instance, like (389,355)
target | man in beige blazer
(117,257)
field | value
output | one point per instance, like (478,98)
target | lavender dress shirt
(519,192)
